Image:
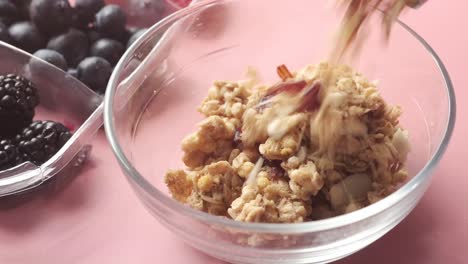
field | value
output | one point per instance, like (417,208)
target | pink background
(97,218)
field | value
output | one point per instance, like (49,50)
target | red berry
(180,3)
(69,125)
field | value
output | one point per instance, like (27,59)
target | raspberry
(180,3)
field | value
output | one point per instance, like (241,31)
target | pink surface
(98,219)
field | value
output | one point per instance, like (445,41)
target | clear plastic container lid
(63,99)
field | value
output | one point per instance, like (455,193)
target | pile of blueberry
(86,40)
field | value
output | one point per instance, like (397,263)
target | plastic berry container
(66,100)
(63,99)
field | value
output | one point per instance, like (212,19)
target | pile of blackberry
(86,40)
(21,138)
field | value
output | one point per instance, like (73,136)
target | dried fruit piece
(275,172)
(290,87)
(310,100)
(272,163)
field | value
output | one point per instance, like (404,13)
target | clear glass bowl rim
(296,228)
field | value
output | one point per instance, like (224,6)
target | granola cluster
(320,143)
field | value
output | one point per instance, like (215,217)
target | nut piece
(401,143)
(352,188)
(283,72)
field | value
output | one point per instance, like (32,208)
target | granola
(319,143)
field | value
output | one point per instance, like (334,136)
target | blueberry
(124,37)
(93,36)
(51,16)
(73,45)
(23,9)
(8,12)
(18,3)
(4,35)
(132,30)
(135,36)
(26,36)
(95,73)
(108,49)
(73,72)
(110,21)
(52,57)
(85,10)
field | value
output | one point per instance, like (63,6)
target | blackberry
(18,98)
(4,35)
(95,73)
(8,12)
(135,36)
(51,16)
(85,10)
(108,49)
(52,57)
(9,155)
(111,21)
(25,36)
(73,45)
(41,140)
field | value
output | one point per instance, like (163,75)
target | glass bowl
(151,102)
